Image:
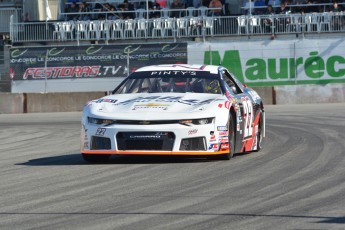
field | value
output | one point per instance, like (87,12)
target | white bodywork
(151,107)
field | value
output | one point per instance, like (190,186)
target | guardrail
(175,28)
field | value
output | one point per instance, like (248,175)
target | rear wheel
(231,130)
(96,158)
(258,139)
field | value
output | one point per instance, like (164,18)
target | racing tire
(231,130)
(258,139)
(96,158)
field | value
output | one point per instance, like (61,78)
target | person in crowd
(126,6)
(176,5)
(310,8)
(282,22)
(259,6)
(283,9)
(269,10)
(205,2)
(335,8)
(338,22)
(112,13)
(268,20)
(216,4)
(248,7)
(155,9)
(84,11)
(72,8)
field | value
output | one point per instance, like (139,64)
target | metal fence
(174,28)
(5,14)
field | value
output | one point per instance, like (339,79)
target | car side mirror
(234,90)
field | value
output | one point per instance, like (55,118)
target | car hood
(149,106)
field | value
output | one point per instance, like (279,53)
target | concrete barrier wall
(59,102)
(266,93)
(11,103)
(306,94)
(71,102)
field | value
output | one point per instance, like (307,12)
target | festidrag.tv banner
(94,61)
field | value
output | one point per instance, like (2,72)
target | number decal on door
(248,117)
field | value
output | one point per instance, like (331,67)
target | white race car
(200,110)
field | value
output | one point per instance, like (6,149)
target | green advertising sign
(255,71)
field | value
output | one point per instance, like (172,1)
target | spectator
(205,3)
(216,4)
(155,9)
(283,9)
(337,21)
(84,11)
(282,22)
(259,6)
(112,15)
(268,21)
(162,3)
(126,6)
(72,8)
(336,8)
(269,10)
(176,5)
(27,18)
(248,7)
(310,8)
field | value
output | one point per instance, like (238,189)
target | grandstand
(48,23)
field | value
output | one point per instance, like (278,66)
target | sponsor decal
(223,133)
(227,104)
(154,136)
(254,95)
(213,138)
(192,132)
(106,101)
(220,105)
(100,131)
(222,128)
(175,72)
(224,139)
(213,146)
(225,146)
(162,99)
(61,72)
(151,106)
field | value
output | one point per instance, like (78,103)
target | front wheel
(96,158)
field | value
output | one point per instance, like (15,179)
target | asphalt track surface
(296,182)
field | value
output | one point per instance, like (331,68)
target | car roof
(181,67)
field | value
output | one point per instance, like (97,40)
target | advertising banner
(93,61)
(283,62)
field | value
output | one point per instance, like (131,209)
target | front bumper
(154,139)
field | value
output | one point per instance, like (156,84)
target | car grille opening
(193,144)
(100,143)
(145,141)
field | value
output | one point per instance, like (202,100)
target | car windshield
(146,83)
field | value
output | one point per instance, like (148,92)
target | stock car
(178,109)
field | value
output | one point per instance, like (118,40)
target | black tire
(258,139)
(96,158)
(231,130)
